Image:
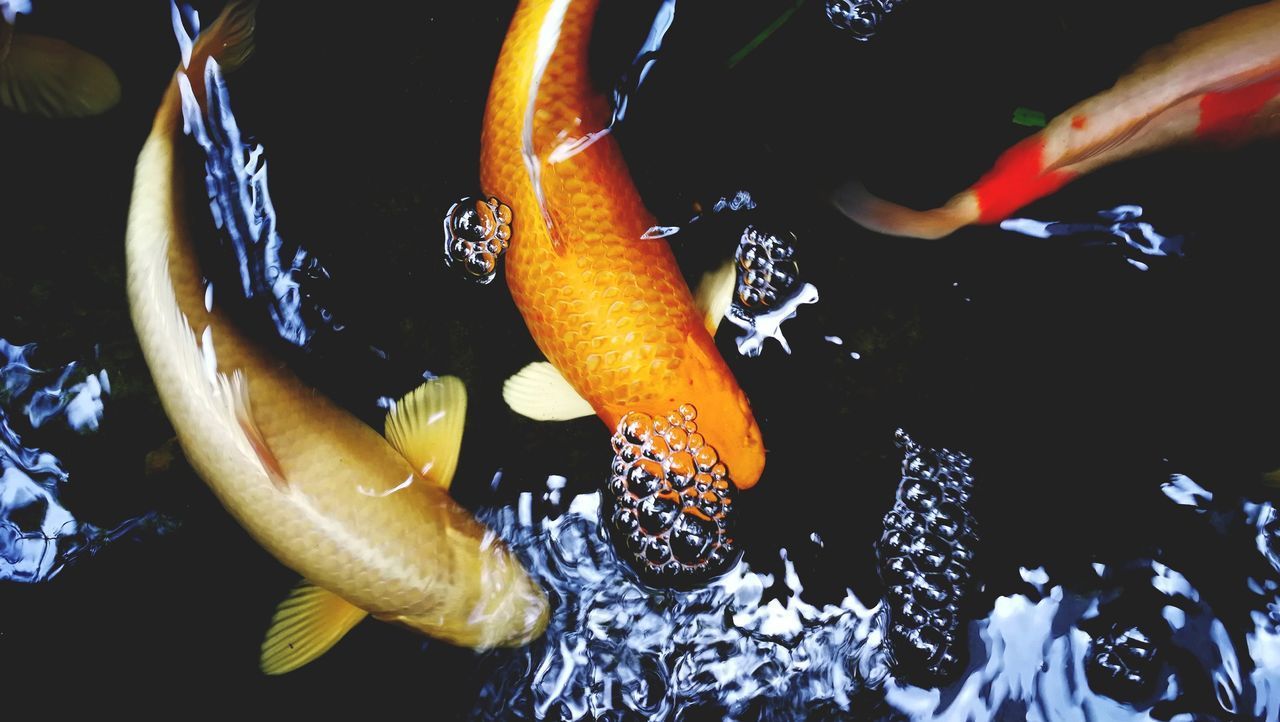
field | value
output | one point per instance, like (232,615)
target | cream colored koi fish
(367,520)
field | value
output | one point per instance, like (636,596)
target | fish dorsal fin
(51,78)
(426,427)
(306,624)
(540,392)
(715,293)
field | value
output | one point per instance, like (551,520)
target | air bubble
(677,439)
(691,542)
(670,498)
(476,234)
(766,272)
(657,515)
(859,18)
(643,479)
(657,448)
(635,427)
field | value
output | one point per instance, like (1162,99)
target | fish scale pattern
(606,305)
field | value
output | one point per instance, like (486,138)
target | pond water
(1103,358)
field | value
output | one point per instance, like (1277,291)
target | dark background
(1078,382)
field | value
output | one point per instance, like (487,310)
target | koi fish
(48,77)
(602,297)
(366,519)
(1220,81)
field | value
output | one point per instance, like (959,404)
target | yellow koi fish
(367,520)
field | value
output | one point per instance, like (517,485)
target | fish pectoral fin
(426,427)
(306,624)
(235,389)
(715,293)
(54,79)
(540,392)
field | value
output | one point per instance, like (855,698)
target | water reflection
(39,536)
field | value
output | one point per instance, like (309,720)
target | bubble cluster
(476,234)
(925,555)
(669,500)
(859,18)
(1124,663)
(767,270)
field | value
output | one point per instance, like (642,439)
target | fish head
(502,605)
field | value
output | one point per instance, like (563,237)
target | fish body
(602,296)
(370,525)
(1220,81)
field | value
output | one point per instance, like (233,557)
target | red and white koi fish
(1220,81)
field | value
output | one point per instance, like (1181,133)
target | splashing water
(741,201)
(38,535)
(236,180)
(10,9)
(627,85)
(763,326)
(766,292)
(1136,235)
(615,647)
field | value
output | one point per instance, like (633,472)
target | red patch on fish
(1078,122)
(1228,113)
(1016,180)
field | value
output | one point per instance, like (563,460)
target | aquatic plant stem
(764,35)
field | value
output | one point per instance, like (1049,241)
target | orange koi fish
(603,299)
(1220,81)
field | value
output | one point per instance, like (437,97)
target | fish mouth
(669,508)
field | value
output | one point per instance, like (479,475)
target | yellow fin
(54,79)
(426,427)
(306,624)
(540,392)
(715,293)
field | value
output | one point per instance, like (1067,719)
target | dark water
(1078,382)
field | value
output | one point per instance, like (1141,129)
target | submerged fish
(1220,81)
(367,521)
(49,77)
(603,299)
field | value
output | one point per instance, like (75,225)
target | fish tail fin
(229,41)
(879,215)
(51,78)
